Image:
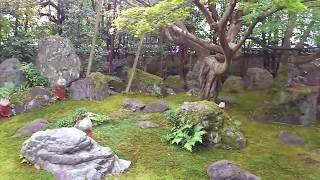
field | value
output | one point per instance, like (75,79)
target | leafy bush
(183,133)
(66,122)
(80,112)
(187,135)
(22,88)
(99,119)
(35,78)
(5,93)
(70,121)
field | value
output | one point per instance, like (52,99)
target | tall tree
(225,20)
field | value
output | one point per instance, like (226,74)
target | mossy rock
(221,130)
(19,98)
(147,83)
(93,87)
(31,98)
(99,80)
(175,83)
(294,106)
(233,84)
(115,83)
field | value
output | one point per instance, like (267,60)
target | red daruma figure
(60,91)
(5,108)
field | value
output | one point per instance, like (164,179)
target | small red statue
(5,108)
(60,91)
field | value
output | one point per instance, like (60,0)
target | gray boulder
(57,57)
(257,79)
(291,138)
(233,84)
(11,76)
(94,87)
(147,124)
(132,105)
(33,127)
(71,155)
(192,77)
(157,106)
(225,170)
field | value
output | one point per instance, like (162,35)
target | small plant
(99,119)
(237,124)
(173,118)
(23,88)
(80,112)
(5,93)
(35,78)
(24,160)
(187,136)
(70,121)
(183,133)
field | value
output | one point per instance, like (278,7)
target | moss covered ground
(264,155)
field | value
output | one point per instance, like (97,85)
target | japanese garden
(160,89)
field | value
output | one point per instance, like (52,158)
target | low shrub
(35,78)
(70,121)
(184,133)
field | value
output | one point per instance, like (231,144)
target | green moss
(302,90)
(110,78)
(99,80)
(146,83)
(145,78)
(18,98)
(174,82)
(264,156)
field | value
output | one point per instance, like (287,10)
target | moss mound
(174,82)
(221,130)
(146,83)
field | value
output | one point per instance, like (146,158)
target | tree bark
(93,44)
(135,63)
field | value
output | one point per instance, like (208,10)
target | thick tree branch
(228,12)
(306,34)
(211,47)
(205,12)
(143,3)
(253,25)
(259,42)
(213,10)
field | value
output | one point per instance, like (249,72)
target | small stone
(225,170)
(291,138)
(147,124)
(132,105)
(157,106)
(170,91)
(33,127)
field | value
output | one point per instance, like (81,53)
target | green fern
(187,136)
